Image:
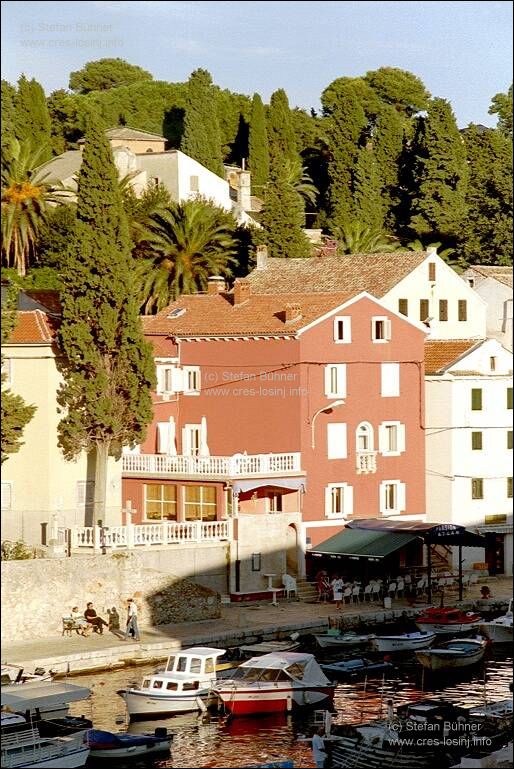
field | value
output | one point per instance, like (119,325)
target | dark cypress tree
(368,184)
(487,229)
(258,146)
(283,216)
(387,148)
(281,134)
(31,117)
(8,109)
(107,366)
(438,205)
(202,138)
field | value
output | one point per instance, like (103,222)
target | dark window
(492,363)
(509,439)
(403,306)
(509,397)
(423,309)
(509,488)
(476,399)
(443,309)
(477,488)
(476,441)
(463,309)
(431,271)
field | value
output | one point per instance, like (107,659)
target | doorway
(292,550)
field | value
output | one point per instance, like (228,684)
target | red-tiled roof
(33,327)
(260,315)
(440,354)
(351,273)
(501,274)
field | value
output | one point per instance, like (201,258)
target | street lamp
(325,410)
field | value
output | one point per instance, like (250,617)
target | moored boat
(499,630)
(403,642)
(337,640)
(269,647)
(459,653)
(111,745)
(448,620)
(45,700)
(14,674)
(183,686)
(274,683)
(22,747)
(357,667)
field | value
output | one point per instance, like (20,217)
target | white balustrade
(148,534)
(366,461)
(238,465)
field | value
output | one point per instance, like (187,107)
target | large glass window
(200,503)
(160,502)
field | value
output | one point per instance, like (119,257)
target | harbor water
(213,740)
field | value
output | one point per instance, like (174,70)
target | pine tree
(438,207)
(258,145)
(16,414)
(346,126)
(107,365)
(202,138)
(487,229)
(281,135)
(368,184)
(283,216)
(31,117)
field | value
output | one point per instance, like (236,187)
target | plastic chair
(400,587)
(347,594)
(421,586)
(289,585)
(392,589)
(356,593)
(375,591)
(367,591)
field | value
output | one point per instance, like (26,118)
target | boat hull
(69,760)
(163,746)
(496,632)
(338,642)
(434,660)
(140,703)
(249,702)
(402,643)
(351,754)
(441,628)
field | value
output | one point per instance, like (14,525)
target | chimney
(432,251)
(216,285)
(293,311)
(262,257)
(242,291)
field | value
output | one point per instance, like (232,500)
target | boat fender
(289,703)
(161,733)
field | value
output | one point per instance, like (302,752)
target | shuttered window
(476,399)
(423,309)
(476,441)
(509,488)
(509,397)
(509,439)
(443,309)
(336,440)
(431,271)
(477,488)
(403,306)
(463,309)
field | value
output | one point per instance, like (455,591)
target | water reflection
(214,741)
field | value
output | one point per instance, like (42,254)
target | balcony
(366,462)
(236,466)
(132,536)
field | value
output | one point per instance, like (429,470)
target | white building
(469,444)
(494,285)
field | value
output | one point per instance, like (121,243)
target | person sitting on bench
(94,620)
(79,619)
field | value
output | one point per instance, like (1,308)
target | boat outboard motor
(161,733)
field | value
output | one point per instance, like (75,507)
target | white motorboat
(403,642)
(274,683)
(184,685)
(499,630)
(43,700)
(23,747)
(336,640)
(459,653)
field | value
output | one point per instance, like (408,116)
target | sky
(462,51)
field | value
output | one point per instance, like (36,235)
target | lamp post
(324,410)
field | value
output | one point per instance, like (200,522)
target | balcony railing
(147,534)
(236,466)
(366,462)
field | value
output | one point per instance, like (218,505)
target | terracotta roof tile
(33,327)
(260,315)
(352,273)
(501,274)
(440,354)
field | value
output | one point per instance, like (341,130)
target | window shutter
(382,498)
(509,397)
(336,441)
(443,309)
(160,379)
(401,495)
(163,437)
(6,496)
(177,380)
(401,438)
(403,306)
(431,271)
(387,327)
(476,399)
(327,380)
(341,380)
(423,309)
(328,501)
(382,439)
(390,380)
(348,500)
(463,309)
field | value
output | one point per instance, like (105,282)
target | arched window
(364,437)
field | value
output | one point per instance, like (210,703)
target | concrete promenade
(237,625)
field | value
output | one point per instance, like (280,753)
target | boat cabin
(186,671)
(288,666)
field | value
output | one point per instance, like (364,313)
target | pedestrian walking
(132,626)
(319,753)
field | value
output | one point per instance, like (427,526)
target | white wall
(447,285)
(499,308)
(210,185)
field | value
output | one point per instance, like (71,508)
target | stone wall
(37,593)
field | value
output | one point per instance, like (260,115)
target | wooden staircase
(441,557)
(307,591)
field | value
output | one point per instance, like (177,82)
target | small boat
(274,683)
(123,745)
(403,642)
(448,620)
(357,667)
(22,747)
(48,700)
(333,639)
(14,674)
(269,647)
(499,630)
(459,653)
(184,685)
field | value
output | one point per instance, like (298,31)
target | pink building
(308,406)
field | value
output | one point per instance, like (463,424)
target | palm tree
(357,238)
(300,180)
(25,199)
(191,241)
(417,245)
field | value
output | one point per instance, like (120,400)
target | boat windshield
(171,663)
(263,674)
(296,671)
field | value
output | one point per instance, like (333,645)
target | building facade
(494,286)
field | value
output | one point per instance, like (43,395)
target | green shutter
(463,309)
(476,441)
(509,439)
(509,397)
(476,399)
(423,309)
(403,306)
(477,488)
(509,488)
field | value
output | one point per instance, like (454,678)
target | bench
(69,624)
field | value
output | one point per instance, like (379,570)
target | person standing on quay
(319,752)
(132,620)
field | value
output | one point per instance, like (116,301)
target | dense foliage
(103,74)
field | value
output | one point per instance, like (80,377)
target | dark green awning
(361,543)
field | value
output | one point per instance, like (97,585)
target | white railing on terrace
(239,465)
(366,462)
(145,534)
